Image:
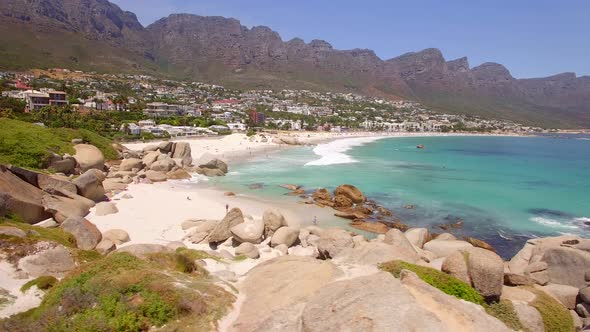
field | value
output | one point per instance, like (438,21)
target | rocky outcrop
(89,157)
(249,231)
(289,282)
(117,236)
(401,245)
(156,176)
(377,302)
(332,241)
(12,231)
(49,259)
(130,164)
(481,268)
(90,185)
(65,207)
(444,248)
(21,198)
(455,315)
(142,250)
(179,174)
(222,230)
(182,151)
(372,253)
(561,260)
(285,235)
(248,250)
(105,246)
(163,165)
(216,164)
(351,192)
(370,226)
(106,208)
(418,236)
(273,220)
(86,234)
(52,182)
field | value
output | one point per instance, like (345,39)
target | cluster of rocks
(81,182)
(559,266)
(311,287)
(288,140)
(161,162)
(248,235)
(350,203)
(57,201)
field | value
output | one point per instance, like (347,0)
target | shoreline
(238,148)
(207,201)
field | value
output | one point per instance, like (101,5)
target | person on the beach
(315,220)
(226,208)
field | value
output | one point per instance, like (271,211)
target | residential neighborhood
(175,108)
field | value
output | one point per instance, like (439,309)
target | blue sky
(533,38)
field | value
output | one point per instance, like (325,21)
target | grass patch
(28,145)
(181,261)
(196,254)
(121,292)
(40,233)
(556,317)
(240,258)
(43,283)
(504,311)
(440,280)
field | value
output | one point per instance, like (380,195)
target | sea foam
(334,152)
(552,223)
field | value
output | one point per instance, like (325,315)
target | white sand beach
(155,211)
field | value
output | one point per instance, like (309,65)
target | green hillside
(28,145)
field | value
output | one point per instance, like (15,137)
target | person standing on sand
(315,220)
(226,208)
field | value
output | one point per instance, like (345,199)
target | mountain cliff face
(87,34)
(98,35)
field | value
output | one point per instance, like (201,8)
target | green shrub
(251,132)
(43,283)
(28,145)
(240,258)
(195,254)
(440,280)
(121,292)
(556,317)
(40,233)
(504,311)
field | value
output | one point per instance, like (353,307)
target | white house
(147,123)
(133,129)
(237,126)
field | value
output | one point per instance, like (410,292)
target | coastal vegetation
(503,309)
(121,292)
(556,317)
(36,233)
(42,282)
(440,280)
(29,145)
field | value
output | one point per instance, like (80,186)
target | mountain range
(98,35)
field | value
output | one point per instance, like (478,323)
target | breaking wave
(334,152)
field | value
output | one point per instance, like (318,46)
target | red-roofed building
(21,86)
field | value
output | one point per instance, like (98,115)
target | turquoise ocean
(505,189)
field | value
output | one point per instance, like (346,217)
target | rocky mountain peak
(458,65)
(492,72)
(428,64)
(320,45)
